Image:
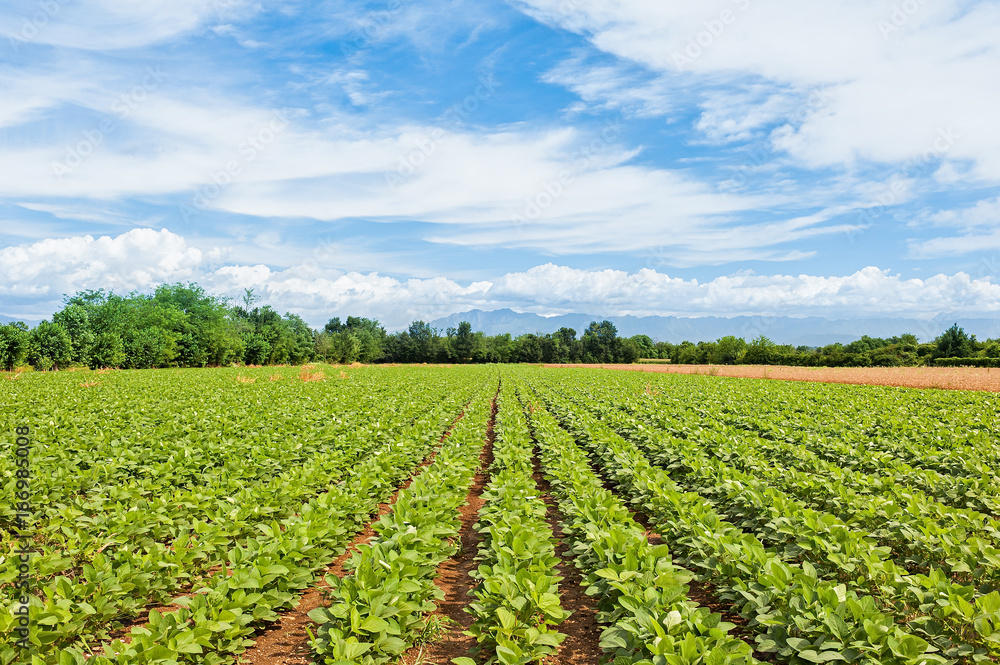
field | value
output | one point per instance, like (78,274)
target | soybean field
(493,514)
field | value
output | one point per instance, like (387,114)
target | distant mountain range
(809,331)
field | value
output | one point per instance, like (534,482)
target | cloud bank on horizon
(409,160)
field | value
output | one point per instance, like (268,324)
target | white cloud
(142,258)
(104,25)
(613,87)
(978,229)
(83,213)
(889,94)
(955,245)
(871,291)
(317,297)
(572,190)
(739,114)
(137,259)
(984,214)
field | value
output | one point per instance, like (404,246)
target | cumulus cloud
(317,297)
(558,289)
(138,259)
(142,258)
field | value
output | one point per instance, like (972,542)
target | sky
(408,160)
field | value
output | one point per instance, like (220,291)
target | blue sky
(409,160)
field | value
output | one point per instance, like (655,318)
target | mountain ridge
(805,331)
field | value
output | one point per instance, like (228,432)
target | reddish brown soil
(583,633)
(702,593)
(705,595)
(943,378)
(454,574)
(286,641)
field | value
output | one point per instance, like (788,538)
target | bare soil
(583,632)
(286,641)
(942,378)
(454,577)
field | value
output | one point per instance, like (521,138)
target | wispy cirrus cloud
(702,140)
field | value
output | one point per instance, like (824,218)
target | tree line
(953,347)
(181,325)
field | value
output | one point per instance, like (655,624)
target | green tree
(627,351)
(464,342)
(76,320)
(14,344)
(370,334)
(206,334)
(664,350)
(686,353)
(562,346)
(760,351)
(728,350)
(645,345)
(529,349)
(498,349)
(256,349)
(304,346)
(422,342)
(955,343)
(599,341)
(344,347)
(108,351)
(49,345)
(151,347)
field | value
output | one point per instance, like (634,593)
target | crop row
(517,595)
(141,433)
(961,626)
(798,615)
(377,610)
(920,531)
(642,596)
(931,441)
(258,575)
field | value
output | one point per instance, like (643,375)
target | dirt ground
(944,378)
